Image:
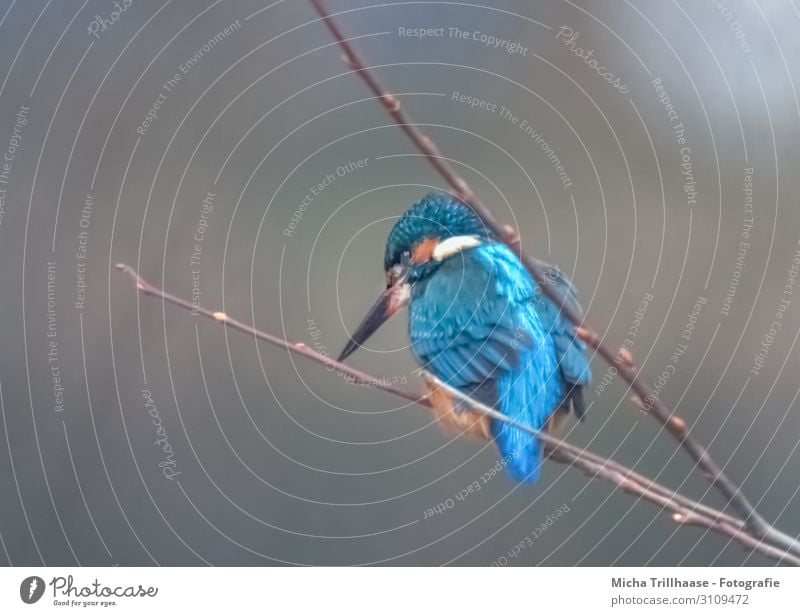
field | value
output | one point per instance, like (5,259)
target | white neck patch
(454,245)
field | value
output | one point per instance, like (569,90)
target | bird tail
(521,451)
(527,396)
(522,454)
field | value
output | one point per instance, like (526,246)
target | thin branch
(663,496)
(555,445)
(509,236)
(684,510)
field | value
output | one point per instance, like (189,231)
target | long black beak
(389,302)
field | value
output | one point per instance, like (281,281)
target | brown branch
(508,235)
(668,499)
(684,510)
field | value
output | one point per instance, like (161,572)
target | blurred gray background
(277,460)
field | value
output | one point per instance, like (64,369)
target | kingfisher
(480,323)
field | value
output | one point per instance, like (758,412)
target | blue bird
(480,323)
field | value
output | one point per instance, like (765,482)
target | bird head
(435,228)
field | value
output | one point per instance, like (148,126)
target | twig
(509,236)
(668,499)
(362,378)
(684,509)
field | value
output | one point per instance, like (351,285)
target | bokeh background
(276,460)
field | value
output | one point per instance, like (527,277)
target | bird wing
(475,324)
(464,324)
(570,350)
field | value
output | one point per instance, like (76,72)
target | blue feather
(480,323)
(475,320)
